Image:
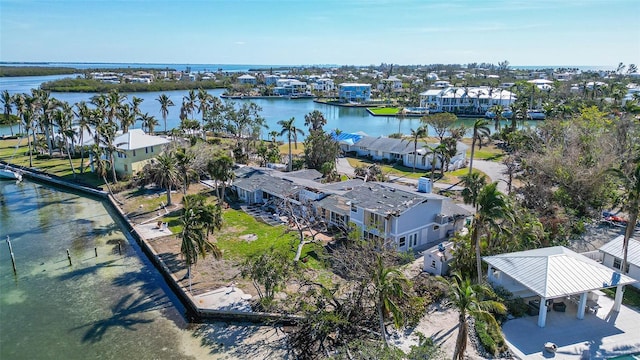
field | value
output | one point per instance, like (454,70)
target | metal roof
(137,139)
(389,145)
(614,248)
(556,271)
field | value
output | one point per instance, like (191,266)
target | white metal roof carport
(557,272)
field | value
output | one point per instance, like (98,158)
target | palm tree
(184,162)
(7,101)
(497,110)
(20,104)
(198,220)
(84,117)
(473,183)
(315,120)
(114,101)
(631,184)
(220,168)
(165,102)
(62,118)
(127,117)
(389,286)
(163,171)
(436,153)
(416,135)
(203,102)
(289,128)
(469,299)
(492,206)
(189,102)
(480,130)
(149,122)
(106,133)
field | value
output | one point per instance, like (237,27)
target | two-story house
(134,150)
(354,92)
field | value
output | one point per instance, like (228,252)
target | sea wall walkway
(227,303)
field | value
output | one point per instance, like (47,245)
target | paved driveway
(494,170)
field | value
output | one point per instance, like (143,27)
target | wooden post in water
(13,259)
(96,250)
(119,249)
(69,257)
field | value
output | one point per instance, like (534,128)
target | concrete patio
(603,335)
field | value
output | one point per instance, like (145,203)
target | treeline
(13,71)
(90,85)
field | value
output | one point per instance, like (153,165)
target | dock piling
(96,251)
(69,257)
(13,259)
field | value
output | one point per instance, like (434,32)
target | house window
(146,150)
(375,221)
(617,263)
(402,242)
(126,168)
(433,264)
(436,227)
(134,153)
(413,240)
(354,208)
(152,149)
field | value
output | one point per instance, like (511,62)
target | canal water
(113,306)
(346,119)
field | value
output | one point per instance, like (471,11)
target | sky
(310,32)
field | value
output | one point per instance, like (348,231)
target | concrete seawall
(195,312)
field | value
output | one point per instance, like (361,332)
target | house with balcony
(290,87)
(410,218)
(474,100)
(354,92)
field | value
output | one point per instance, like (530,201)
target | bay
(347,119)
(113,306)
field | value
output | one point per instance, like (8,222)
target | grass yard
(631,296)
(284,148)
(16,152)
(389,111)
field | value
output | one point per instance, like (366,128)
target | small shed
(438,258)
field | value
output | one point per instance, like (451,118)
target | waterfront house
(134,150)
(290,87)
(271,80)
(247,80)
(612,257)
(476,100)
(391,83)
(409,218)
(354,92)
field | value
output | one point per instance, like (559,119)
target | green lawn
(384,110)
(55,166)
(237,223)
(631,296)
(486,153)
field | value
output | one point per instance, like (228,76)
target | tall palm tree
(497,110)
(469,299)
(163,171)
(189,102)
(20,104)
(198,221)
(127,116)
(7,101)
(83,115)
(416,135)
(436,153)
(480,130)
(165,103)
(184,162)
(630,181)
(114,101)
(289,128)
(492,207)
(315,120)
(106,133)
(473,183)
(149,122)
(62,118)
(389,286)
(203,102)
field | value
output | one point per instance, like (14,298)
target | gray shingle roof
(556,271)
(614,248)
(384,199)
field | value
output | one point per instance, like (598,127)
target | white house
(354,92)
(612,256)
(441,84)
(271,80)
(470,99)
(391,83)
(290,87)
(247,79)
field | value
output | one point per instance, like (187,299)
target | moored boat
(535,115)
(6,173)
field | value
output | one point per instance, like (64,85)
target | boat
(535,115)
(6,173)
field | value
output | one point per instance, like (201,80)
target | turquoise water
(114,306)
(627,357)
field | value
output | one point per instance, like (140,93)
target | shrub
(490,337)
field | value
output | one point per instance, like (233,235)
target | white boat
(535,115)
(5,173)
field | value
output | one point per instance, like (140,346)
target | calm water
(109,307)
(273,110)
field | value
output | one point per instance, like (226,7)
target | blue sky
(536,32)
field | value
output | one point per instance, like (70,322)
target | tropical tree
(83,115)
(435,151)
(440,122)
(165,103)
(492,207)
(20,104)
(497,110)
(149,122)
(62,118)
(289,128)
(184,161)
(127,117)
(389,287)
(203,103)
(114,101)
(470,299)
(315,120)
(106,135)
(480,130)
(189,102)
(220,168)
(163,171)
(417,134)
(7,101)
(198,221)
(473,183)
